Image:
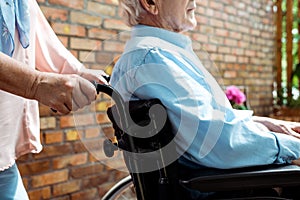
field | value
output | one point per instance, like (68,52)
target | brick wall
(238,36)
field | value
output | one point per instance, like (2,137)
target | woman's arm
(52,55)
(15,77)
(60,92)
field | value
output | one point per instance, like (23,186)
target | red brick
(203,3)
(216,5)
(84,119)
(83,171)
(35,167)
(95,180)
(216,23)
(118,164)
(74,53)
(102,118)
(200,37)
(243,60)
(87,56)
(115,24)
(66,188)
(222,32)
(47,123)
(53,137)
(238,51)
(108,132)
(235,35)
(84,44)
(103,34)
(85,19)
(112,2)
(54,150)
(89,144)
(96,156)
(77,4)
(64,40)
(210,47)
(68,29)
(91,194)
(230,10)
(72,135)
(67,121)
(230,42)
(230,74)
(69,160)
(50,178)
(55,13)
(104,58)
(40,193)
(25,182)
(114,46)
(92,133)
(223,49)
(101,9)
(102,106)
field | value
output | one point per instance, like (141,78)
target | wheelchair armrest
(269,176)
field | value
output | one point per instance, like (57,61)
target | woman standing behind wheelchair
(60,81)
(159,62)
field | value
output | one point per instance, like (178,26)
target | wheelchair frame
(210,179)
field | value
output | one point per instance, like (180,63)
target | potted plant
(236,97)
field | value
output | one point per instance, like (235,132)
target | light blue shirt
(14,15)
(161,64)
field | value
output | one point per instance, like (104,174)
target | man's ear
(150,6)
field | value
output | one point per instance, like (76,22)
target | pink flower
(235,95)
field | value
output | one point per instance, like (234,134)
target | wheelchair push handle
(109,146)
(115,95)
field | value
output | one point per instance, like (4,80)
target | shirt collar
(177,39)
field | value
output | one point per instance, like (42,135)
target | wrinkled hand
(280,126)
(296,162)
(93,75)
(63,93)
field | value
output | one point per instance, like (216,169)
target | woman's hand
(63,93)
(93,75)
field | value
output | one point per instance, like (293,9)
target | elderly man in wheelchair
(213,151)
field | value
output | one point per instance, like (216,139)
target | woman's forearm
(16,77)
(60,92)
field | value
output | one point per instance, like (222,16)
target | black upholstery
(157,184)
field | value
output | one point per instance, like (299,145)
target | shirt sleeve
(208,134)
(51,55)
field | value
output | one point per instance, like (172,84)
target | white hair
(131,11)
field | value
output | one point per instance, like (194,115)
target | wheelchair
(174,181)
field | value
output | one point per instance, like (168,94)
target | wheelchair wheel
(123,190)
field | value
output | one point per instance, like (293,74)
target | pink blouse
(19,117)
